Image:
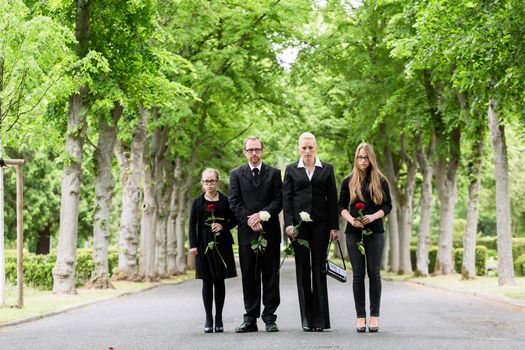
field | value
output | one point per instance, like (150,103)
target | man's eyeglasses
(253,150)
(209,182)
(363,158)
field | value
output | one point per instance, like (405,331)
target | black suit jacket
(246,198)
(317,197)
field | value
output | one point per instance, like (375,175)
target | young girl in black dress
(211,241)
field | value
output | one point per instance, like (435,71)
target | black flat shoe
(219,329)
(360,329)
(208,329)
(373,329)
(246,326)
(317,329)
(308,329)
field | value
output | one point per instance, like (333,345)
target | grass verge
(38,303)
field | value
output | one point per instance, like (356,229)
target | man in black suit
(256,187)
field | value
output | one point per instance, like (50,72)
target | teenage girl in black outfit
(365,187)
(210,221)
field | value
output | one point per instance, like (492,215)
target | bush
(481,260)
(519,265)
(38,268)
(518,247)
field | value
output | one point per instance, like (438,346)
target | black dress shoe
(246,326)
(317,329)
(308,329)
(219,329)
(271,327)
(208,329)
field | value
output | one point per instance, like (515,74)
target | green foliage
(432,257)
(38,268)
(480,260)
(519,265)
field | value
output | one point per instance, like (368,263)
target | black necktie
(255,172)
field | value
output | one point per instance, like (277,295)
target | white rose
(264,215)
(305,216)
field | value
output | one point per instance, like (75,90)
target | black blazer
(246,198)
(317,197)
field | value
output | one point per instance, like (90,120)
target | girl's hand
(194,251)
(366,219)
(290,231)
(356,223)
(216,227)
(334,235)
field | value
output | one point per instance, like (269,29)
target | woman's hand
(290,231)
(366,219)
(216,227)
(356,223)
(194,251)
(334,235)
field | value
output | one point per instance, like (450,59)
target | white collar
(259,166)
(300,164)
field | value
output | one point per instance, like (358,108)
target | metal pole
(20,235)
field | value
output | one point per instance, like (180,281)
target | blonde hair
(307,136)
(355,184)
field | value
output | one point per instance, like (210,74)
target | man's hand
(254,219)
(194,251)
(290,231)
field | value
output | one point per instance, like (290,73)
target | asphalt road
(172,317)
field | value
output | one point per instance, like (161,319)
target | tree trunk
(104,185)
(148,222)
(468,270)
(43,244)
(163,200)
(2,223)
(393,224)
(405,222)
(423,236)
(64,269)
(180,230)
(171,238)
(130,177)
(445,174)
(501,174)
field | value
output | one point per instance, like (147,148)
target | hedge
(481,260)
(519,265)
(432,255)
(38,269)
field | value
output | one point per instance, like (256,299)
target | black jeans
(374,249)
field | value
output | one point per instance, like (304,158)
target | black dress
(217,263)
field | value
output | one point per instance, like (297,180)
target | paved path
(172,317)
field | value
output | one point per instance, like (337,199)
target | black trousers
(311,274)
(374,249)
(257,268)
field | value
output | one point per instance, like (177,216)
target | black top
(317,197)
(370,206)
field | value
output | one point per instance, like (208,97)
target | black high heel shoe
(218,325)
(373,329)
(208,327)
(361,329)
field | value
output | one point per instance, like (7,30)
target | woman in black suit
(211,241)
(309,186)
(363,201)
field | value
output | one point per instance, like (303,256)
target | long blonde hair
(358,177)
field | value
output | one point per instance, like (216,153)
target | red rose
(360,206)
(211,208)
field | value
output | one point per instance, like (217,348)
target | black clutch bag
(334,270)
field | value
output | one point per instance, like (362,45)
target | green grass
(39,302)
(481,285)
